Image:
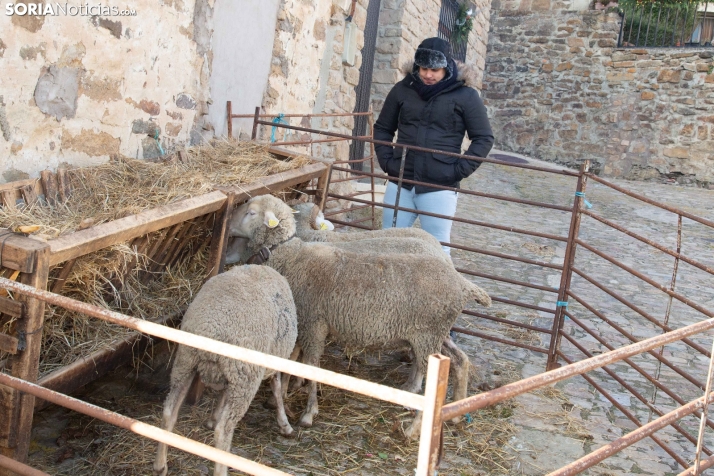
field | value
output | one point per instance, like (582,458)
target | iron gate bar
(642,198)
(520,304)
(633,339)
(654,244)
(642,313)
(627,413)
(506,321)
(505,256)
(675,295)
(631,389)
(19,468)
(705,464)
(506,280)
(511,390)
(568,260)
(460,220)
(349,223)
(424,149)
(140,428)
(703,419)
(461,330)
(324,114)
(471,192)
(340,212)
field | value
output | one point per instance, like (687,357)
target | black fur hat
(433,53)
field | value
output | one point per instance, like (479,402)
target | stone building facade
(559,89)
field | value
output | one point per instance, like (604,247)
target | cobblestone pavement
(562,423)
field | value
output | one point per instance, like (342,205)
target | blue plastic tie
(278,120)
(561,304)
(468,418)
(582,194)
(156,138)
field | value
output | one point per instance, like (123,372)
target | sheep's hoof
(288,433)
(305,421)
(412,433)
(289,413)
(209,424)
(161,472)
(297,384)
(457,419)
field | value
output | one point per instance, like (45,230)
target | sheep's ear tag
(295,211)
(323,226)
(272,223)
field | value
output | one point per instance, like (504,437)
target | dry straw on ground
(352,434)
(116,277)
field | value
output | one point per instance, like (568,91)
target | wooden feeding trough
(165,235)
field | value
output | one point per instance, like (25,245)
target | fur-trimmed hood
(467,73)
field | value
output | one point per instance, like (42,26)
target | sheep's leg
(311,354)
(211,422)
(179,388)
(285,381)
(459,370)
(413,383)
(298,382)
(414,429)
(276,387)
(232,408)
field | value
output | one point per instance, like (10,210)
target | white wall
(242,50)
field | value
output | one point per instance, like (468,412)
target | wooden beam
(217,254)
(100,236)
(50,186)
(16,412)
(11,307)
(9,199)
(275,182)
(63,182)
(19,252)
(29,194)
(16,184)
(8,344)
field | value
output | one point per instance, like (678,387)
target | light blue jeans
(442,202)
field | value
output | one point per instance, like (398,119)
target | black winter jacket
(440,124)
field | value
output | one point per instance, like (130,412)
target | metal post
(399,187)
(430,440)
(256,118)
(229,118)
(703,421)
(567,268)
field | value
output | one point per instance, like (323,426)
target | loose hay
(353,434)
(115,277)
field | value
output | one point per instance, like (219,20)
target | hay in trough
(120,277)
(124,187)
(351,435)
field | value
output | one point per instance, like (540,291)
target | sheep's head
(264,221)
(309,216)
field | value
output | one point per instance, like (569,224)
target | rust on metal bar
(635,393)
(461,330)
(653,283)
(520,304)
(628,414)
(19,468)
(568,261)
(400,397)
(506,321)
(422,149)
(705,464)
(468,192)
(456,219)
(653,244)
(135,426)
(348,223)
(505,256)
(704,420)
(532,383)
(642,198)
(229,113)
(506,280)
(635,308)
(335,114)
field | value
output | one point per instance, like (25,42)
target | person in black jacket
(432,107)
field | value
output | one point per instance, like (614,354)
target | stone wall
(81,89)
(402,26)
(308,74)
(557,88)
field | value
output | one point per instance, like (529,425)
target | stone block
(593,104)
(618,77)
(623,64)
(566,66)
(622,56)
(703,132)
(57,90)
(678,152)
(647,95)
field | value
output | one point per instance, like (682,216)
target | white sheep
(248,306)
(360,299)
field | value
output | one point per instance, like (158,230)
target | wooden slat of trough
(11,307)
(124,229)
(8,344)
(18,251)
